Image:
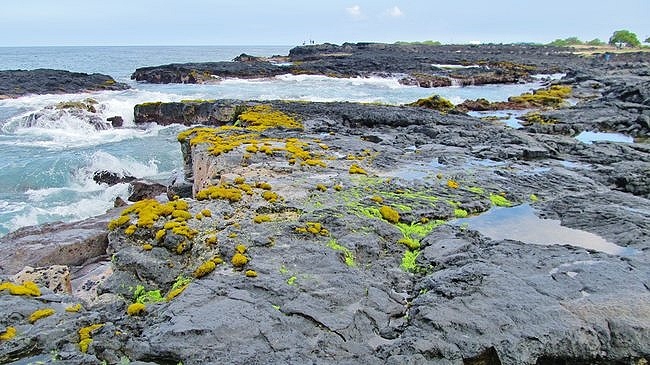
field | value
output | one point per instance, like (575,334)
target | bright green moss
(476,190)
(321,187)
(409,260)
(460,213)
(348,257)
(533,198)
(500,200)
(141,295)
(292,280)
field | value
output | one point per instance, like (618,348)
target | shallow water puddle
(521,224)
(507,117)
(417,171)
(591,137)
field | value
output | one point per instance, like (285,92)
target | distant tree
(595,42)
(624,37)
(647,40)
(570,41)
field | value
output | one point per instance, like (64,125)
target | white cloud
(394,12)
(354,10)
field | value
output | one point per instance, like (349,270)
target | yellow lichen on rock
(27,288)
(261,218)
(251,273)
(73,308)
(262,117)
(238,260)
(136,309)
(8,334)
(389,214)
(270,196)
(314,228)
(220,191)
(204,269)
(85,338)
(40,313)
(356,169)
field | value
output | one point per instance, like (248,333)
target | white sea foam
(104,161)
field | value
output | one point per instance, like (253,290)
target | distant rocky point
(16,83)
(421,65)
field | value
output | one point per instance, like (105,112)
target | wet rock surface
(335,233)
(15,83)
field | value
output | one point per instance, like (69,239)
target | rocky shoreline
(347,233)
(16,83)
(424,66)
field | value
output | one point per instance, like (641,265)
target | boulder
(142,189)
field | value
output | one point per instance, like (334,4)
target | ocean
(48,156)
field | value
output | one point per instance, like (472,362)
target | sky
(292,22)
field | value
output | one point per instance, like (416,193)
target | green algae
(348,257)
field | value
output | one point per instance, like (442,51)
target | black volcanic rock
(15,83)
(417,64)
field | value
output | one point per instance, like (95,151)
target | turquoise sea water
(47,157)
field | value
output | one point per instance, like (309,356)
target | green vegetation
(419,43)
(595,42)
(409,260)
(552,97)
(624,38)
(500,200)
(435,102)
(570,41)
(348,257)
(141,295)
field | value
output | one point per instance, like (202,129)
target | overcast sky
(287,22)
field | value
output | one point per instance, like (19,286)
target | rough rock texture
(54,244)
(421,65)
(334,233)
(15,83)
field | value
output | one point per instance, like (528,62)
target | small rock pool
(521,224)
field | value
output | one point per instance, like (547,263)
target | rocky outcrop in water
(15,83)
(346,233)
(333,233)
(421,65)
